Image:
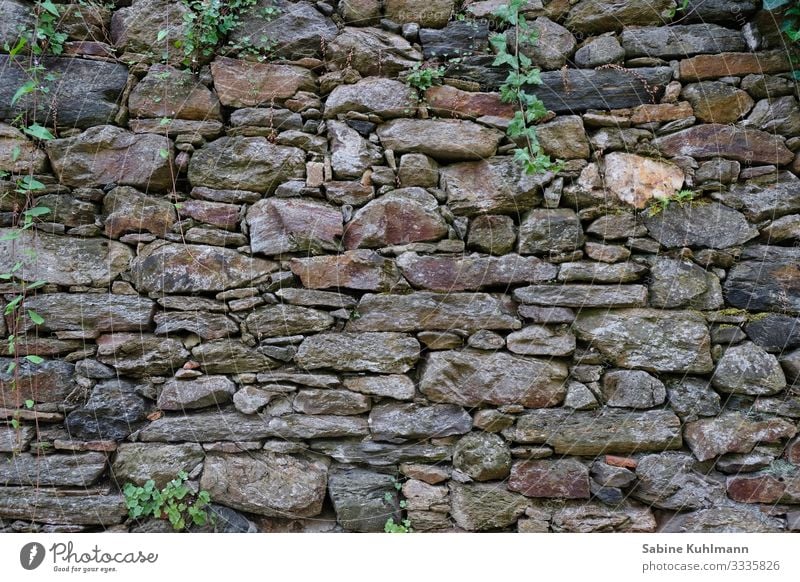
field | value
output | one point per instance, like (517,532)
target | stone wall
(319,296)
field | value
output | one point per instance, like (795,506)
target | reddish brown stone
(249,84)
(756,488)
(449,101)
(469,273)
(737,143)
(733,65)
(361,269)
(660,112)
(214,213)
(563,478)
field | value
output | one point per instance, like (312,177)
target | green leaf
(35,317)
(34,359)
(39,132)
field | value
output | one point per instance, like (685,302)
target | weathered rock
(717,102)
(230,357)
(294,31)
(112,412)
(126,210)
(692,397)
(168,92)
(594,433)
(765,202)
(360,269)
(105,154)
(545,230)
(75,470)
(429,14)
(398,422)
(471,273)
(748,369)
(588,17)
(265,483)
(246,163)
(357,48)
(538,340)
(733,432)
(96,312)
(719,65)
(636,180)
(583,296)
(386,353)
(736,143)
(672,480)
(394,386)
(482,456)
(497,185)
(351,155)
(198,392)
(563,478)
(433,311)
(458,39)
(680,41)
(139,462)
(363,500)
(286,320)
(249,84)
(446,140)
(80,93)
(55,506)
(402,216)
(600,51)
(208,326)
(141,354)
(61,260)
(554,44)
(632,389)
(484,506)
(699,225)
(765,279)
(342,402)
(386,98)
(649,339)
(473,378)
(676,283)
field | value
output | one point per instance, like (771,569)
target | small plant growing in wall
(522,74)
(175,503)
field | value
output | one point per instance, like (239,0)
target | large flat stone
(649,339)
(386,353)
(62,260)
(474,378)
(594,433)
(433,311)
(265,483)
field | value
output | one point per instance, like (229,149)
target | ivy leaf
(34,359)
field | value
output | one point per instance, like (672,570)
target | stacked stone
(332,303)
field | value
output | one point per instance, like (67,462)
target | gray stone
(600,51)
(484,506)
(386,98)
(538,340)
(484,457)
(733,432)
(676,283)
(139,462)
(472,378)
(74,470)
(673,480)
(363,500)
(112,412)
(692,397)
(341,402)
(446,140)
(765,279)
(545,230)
(177,394)
(394,386)
(163,267)
(497,185)
(583,296)
(357,48)
(681,41)
(400,422)
(387,353)
(285,320)
(632,389)
(653,340)
(141,354)
(54,506)
(265,483)
(285,225)
(598,432)
(588,17)
(748,369)
(433,311)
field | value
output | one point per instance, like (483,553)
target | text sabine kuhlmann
(693,549)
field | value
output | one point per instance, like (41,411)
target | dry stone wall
(320,293)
